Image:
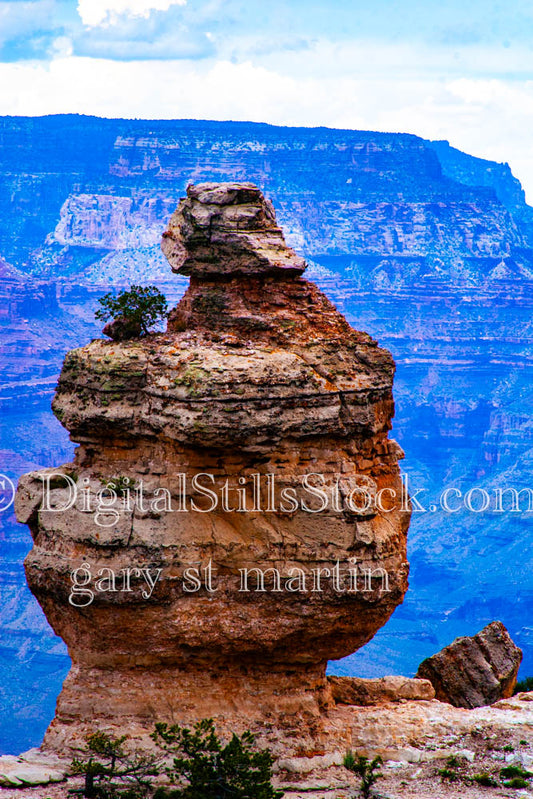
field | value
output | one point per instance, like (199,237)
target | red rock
(365,692)
(122,329)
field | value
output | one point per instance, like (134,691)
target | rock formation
(476,671)
(262,387)
(365,693)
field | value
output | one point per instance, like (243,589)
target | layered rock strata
(262,387)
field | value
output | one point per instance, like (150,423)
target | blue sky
(455,70)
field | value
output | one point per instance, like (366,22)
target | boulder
(122,329)
(475,671)
(227,228)
(31,768)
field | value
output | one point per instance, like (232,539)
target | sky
(452,69)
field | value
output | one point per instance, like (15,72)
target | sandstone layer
(377,691)
(257,384)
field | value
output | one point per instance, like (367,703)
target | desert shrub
(485,779)
(448,774)
(508,772)
(112,773)
(516,782)
(365,769)
(139,306)
(205,768)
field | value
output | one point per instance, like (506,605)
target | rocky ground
(417,739)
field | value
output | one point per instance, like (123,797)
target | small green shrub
(140,307)
(516,782)
(365,769)
(486,780)
(110,772)
(508,748)
(448,774)
(202,767)
(508,772)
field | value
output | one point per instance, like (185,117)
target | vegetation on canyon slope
(196,762)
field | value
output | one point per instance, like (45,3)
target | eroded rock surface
(258,381)
(475,671)
(31,768)
(227,228)
(364,692)
(415,739)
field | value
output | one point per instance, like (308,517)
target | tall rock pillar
(255,485)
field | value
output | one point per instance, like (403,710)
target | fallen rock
(358,691)
(30,768)
(475,671)
(122,329)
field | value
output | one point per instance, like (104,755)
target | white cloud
(488,118)
(105,12)
(61,47)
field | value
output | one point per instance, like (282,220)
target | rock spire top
(227,229)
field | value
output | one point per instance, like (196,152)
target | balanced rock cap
(223,229)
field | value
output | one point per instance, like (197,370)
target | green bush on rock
(112,773)
(133,311)
(365,769)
